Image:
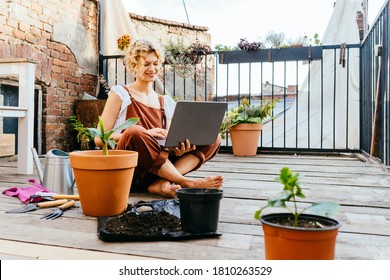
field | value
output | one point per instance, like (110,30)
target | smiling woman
(159,170)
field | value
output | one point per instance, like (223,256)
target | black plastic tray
(170,206)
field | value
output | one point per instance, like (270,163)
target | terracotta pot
(103,182)
(245,138)
(292,243)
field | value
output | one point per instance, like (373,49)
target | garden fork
(58,213)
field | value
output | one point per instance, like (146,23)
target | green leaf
(280,199)
(111,143)
(94,131)
(101,126)
(129,122)
(324,208)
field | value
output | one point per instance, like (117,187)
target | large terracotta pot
(245,138)
(103,182)
(294,243)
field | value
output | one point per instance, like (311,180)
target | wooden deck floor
(362,188)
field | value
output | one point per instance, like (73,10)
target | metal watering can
(58,174)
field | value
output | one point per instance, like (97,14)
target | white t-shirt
(169,104)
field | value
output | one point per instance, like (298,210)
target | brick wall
(61,36)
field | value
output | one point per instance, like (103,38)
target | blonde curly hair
(138,50)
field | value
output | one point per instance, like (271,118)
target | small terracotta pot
(294,243)
(245,138)
(103,182)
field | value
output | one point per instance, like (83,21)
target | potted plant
(84,136)
(296,235)
(103,178)
(183,58)
(177,57)
(244,124)
(197,50)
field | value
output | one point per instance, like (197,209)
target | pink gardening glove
(24,193)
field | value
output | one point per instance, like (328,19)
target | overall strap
(128,91)
(163,116)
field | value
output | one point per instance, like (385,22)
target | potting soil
(160,221)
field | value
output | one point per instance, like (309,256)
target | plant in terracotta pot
(103,178)
(296,235)
(244,124)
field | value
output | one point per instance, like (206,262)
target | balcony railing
(318,108)
(374,88)
(332,98)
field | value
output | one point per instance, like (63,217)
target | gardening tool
(35,206)
(53,196)
(58,174)
(58,213)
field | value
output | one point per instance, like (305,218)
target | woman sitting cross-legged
(159,170)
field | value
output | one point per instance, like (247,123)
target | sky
(230,20)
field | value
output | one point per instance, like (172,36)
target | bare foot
(211,182)
(163,187)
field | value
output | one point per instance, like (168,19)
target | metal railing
(318,93)
(333,101)
(374,87)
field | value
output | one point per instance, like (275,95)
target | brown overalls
(151,156)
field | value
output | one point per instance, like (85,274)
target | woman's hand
(183,148)
(157,132)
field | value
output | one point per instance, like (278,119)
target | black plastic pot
(199,209)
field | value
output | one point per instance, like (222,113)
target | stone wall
(61,36)
(162,31)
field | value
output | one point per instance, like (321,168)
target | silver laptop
(197,121)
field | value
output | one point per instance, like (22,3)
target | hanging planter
(271,55)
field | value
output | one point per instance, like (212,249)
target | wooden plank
(361,188)
(12,250)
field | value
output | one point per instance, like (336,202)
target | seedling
(291,191)
(105,135)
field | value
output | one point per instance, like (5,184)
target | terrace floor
(361,186)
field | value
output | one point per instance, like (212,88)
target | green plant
(176,55)
(291,191)
(105,135)
(199,48)
(182,58)
(84,136)
(246,113)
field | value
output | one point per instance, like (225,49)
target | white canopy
(339,94)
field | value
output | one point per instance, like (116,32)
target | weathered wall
(163,31)
(61,36)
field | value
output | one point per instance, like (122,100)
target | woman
(159,170)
